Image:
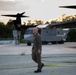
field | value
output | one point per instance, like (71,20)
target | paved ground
(11,49)
(59,59)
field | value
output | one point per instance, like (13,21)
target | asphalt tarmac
(59,59)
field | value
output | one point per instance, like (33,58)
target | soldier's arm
(39,42)
(32,47)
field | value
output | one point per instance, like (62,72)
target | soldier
(37,49)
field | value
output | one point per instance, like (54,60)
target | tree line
(6,29)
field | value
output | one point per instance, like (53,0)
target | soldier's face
(35,31)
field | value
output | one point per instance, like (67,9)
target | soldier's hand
(39,51)
(32,50)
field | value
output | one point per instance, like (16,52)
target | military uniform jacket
(37,43)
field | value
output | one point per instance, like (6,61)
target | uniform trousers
(37,58)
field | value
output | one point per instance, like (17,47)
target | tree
(9,28)
(29,22)
(53,21)
(38,22)
(71,36)
(47,22)
(2,30)
(6,30)
(65,18)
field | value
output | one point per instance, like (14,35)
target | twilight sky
(45,10)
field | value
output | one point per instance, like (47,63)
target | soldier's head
(35,30)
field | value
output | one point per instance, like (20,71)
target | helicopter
(17,26)
(54,33)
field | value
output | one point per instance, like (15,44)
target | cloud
(12,5)
(6,5)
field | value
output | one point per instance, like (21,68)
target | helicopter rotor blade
(22,13)
(17,15)
(14,15)
(70,6)
(10,15)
